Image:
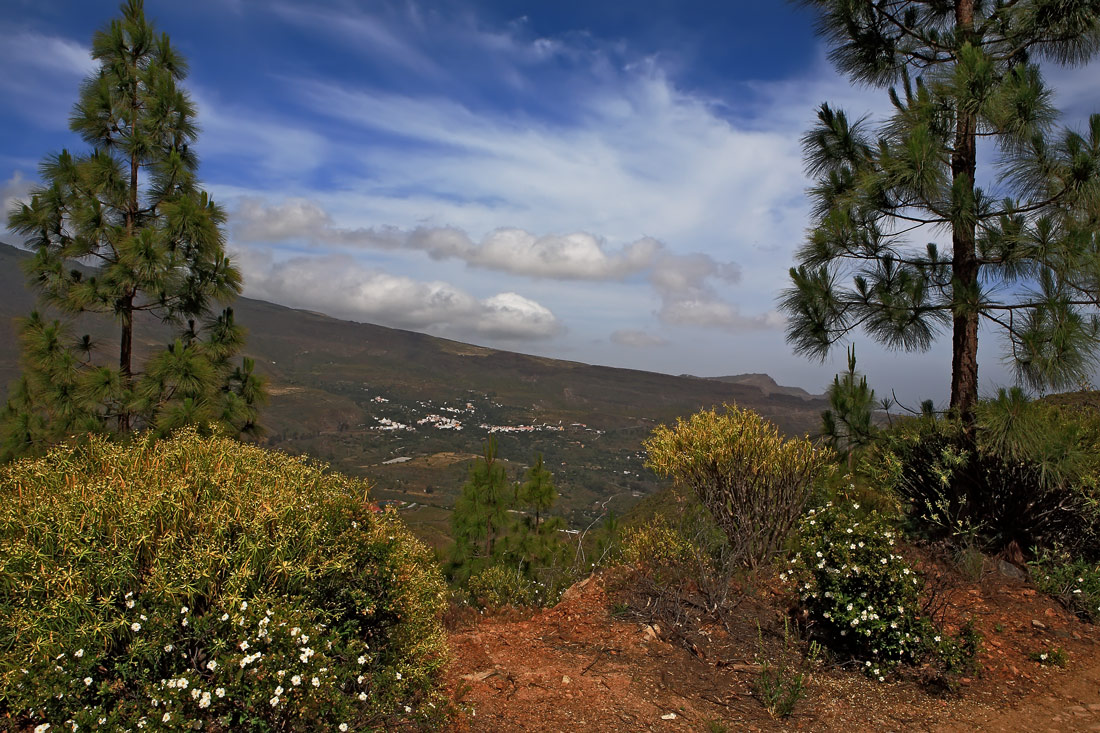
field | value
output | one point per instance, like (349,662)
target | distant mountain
(768,386)
(359,395)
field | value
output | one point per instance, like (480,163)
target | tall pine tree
(1024,253)
(122,230)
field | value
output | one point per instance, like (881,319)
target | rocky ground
(579,666)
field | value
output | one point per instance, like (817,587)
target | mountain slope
(339,388)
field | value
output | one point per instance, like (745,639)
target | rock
(565,680)
(1009,570)
(1038,624)
(668,716)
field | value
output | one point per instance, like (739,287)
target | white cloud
(15,190)
(338,285)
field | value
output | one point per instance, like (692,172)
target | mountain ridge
(340,389)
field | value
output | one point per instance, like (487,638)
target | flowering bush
(201,583)
(863,598)
(1074,582)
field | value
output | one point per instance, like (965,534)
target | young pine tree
(120,231)
(847,425)
(538,490)
(1024,254)
(481,512)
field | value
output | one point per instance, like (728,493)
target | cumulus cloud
(338,285)
(636,339)
(13,191)
(575,256)
(686,284)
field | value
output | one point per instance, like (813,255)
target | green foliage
(753,482)
(480,514)
(847,425)
(655,544)
(780,685)
(863,600)
(538,490)
(124,231)
(201,582)
(498,585)
(1073,581)
(502,559)
(1022,258)
(1055,656)
(1026,473)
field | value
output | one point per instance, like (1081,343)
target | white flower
(78,653)
(315,682)
(211,665)
(295,680)
(279,690)
(87,681)
(305,639)
(183,610)
(343,727)
(362,660)
(398,675)
(135,627)
(166,717)
(195,693)
(42,728)
(168,647)
(129,604)
(225,617)
(362,696)
(184,622)
(274,701)
(220,692)
(243,645)
(360,679)
(205,701)
(294,631)
(244,605)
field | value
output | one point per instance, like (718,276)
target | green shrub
(1028,475)
(754,482)
(1074,582)
(655,544)
(498,585)
(203,583)
(862,598)
(1053,657)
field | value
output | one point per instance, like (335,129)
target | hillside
(360,396)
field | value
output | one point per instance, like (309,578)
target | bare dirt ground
(579,667)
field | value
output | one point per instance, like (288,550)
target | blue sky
(617,183)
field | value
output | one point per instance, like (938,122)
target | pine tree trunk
(964,338)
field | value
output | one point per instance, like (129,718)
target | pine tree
(1024,259)
(847,425)
(538,490)
(481,512)
(125,230)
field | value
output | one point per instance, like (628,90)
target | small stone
(668,716)
(1038,624)
(1094,707)
(565,680)
(1076,708)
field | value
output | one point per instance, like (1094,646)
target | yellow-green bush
(203,583)
(753,481)
(655,544)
